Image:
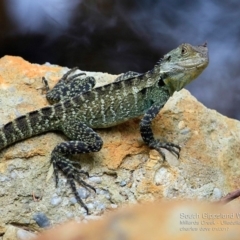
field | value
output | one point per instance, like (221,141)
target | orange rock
(129,171)
(159,220)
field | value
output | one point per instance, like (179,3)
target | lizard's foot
(171,147)
(89,141)
(72,172)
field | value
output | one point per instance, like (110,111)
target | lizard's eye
(184,50)
(169,58)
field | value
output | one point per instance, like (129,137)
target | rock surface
(125,170)
(178,220)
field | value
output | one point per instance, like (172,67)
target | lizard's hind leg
(85,141)
(70,85)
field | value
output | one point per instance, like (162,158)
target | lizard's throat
(178,81)
(174,85)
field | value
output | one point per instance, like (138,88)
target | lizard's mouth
(194,66)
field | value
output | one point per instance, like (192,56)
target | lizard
(78,107)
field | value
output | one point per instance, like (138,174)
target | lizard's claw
(44,88)
(171,147)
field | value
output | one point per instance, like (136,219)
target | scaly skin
(80,108)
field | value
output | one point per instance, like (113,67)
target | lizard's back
(115,103)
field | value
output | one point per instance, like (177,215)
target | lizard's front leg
(85,141)
(147,134)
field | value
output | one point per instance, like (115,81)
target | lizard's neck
(167,80)
(156,73)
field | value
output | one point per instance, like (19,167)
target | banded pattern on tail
(31,124)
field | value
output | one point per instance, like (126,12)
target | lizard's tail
(31,124)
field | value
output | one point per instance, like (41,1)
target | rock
(178,220)
(83,193)
(55,201)
(41,219)
(11,233)
(130,172)
(25,235)
(14,233)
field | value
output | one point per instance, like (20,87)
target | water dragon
(78,108)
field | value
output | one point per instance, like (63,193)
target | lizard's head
(182,65)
